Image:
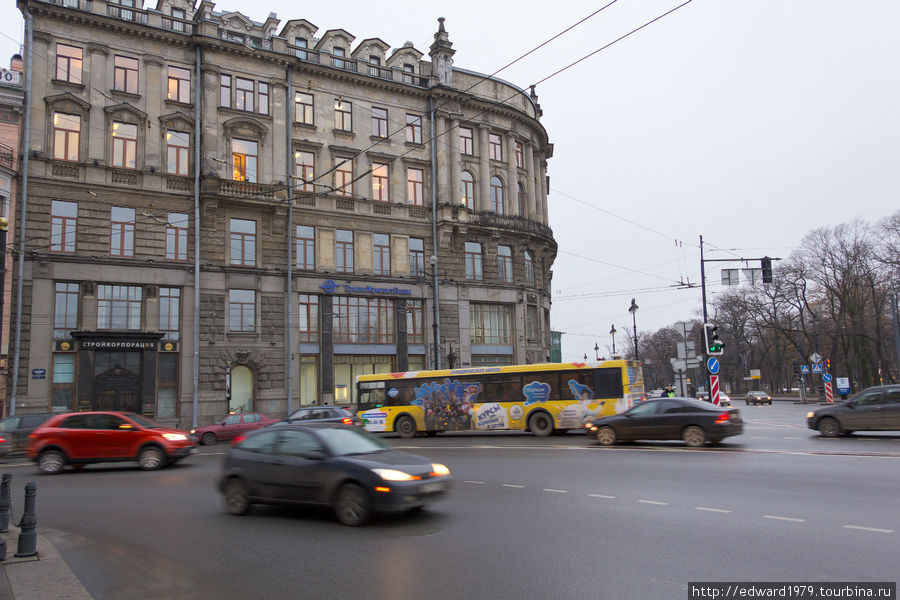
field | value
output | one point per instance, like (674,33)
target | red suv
(89,437)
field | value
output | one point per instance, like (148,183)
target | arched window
(497,196)
(241,389)
(468,190)
(521,196)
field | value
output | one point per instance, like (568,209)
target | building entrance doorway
(117,381)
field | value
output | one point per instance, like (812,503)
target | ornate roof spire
(441,53)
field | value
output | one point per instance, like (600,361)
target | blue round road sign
(827,376)
(713,365)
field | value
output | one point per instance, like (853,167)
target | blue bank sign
(330,287)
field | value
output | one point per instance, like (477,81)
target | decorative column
(442,159)
(455,162)
(531,200)
(543,191)
(511,193)
(483,201)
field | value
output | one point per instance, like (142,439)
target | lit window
(121,238)
(343,115)
(343,177)
(304,108)
(66,136)
(124,145)
(468,190)
(380,182)
(306,170)
(244,157)
(179,85)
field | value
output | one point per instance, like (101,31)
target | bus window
(540,386)
(608,383)
(400,393)
(371,394)
(502,388)
(578,385)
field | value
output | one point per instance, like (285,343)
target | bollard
(4,502)
(28,524)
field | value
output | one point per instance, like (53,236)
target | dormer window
(337,57)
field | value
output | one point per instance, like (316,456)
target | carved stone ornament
(241,356)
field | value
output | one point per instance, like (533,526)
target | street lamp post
(633,310)
(596,350)
(612,332)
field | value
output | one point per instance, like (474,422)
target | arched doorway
(117,381)
(241,389)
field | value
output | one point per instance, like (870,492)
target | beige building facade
(226,215)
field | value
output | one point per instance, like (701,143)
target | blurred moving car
(328,464)
(230,427)
(324,414)
(16,429)
(693,421)
(873,409)
(724,399)
(90,437)
(758,398)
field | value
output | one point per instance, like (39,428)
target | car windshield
(343,442)
(143,421)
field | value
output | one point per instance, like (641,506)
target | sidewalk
(38,577)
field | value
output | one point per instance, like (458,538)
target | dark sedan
(324,414)
(873,409)
(694,421)
(328,464)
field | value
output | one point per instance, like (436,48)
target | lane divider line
(555,491)
(601,496)
(715,510)
(477,482)
(791,519)
(512,485)
(874,529)
(653,502)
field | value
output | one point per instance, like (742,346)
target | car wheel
(151,458)
(352,506)
(406,427)
(829,427)
(540,424)
(208,439)
(237,497)
(51,462)
(693,436)
(606,436)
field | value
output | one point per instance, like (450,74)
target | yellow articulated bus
(540,398)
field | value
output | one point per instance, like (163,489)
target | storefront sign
(117,345)
(38,374)
(330,287)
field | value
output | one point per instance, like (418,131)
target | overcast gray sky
(749,122)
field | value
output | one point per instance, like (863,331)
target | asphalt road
(556,517)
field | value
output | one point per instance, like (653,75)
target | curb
(38,577)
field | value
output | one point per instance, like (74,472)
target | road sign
(713,365)
(815,357)
(829,394)
(827,377)
(843,385)
(714,389)
(678,364)
(817,368)
(804,368)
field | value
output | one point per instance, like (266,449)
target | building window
(473,261)
(178,146)
(121,236)
(529,268)
(243,94)
(242,310)
(490,324)
(302,44)
(305,168)
(126,74)
(374,70)
(179,14)
(225,91)
(408,72)
(65,310)
(304,108)
(363,320)
(124,145)
(381,249)
(380,182)
(466,141)
(308,318)
(176,236)
(495,147)
(338,55)
(306,247)
(244,156)
(63,382)
(504,264)
(343,177)
(531,322)
(69,62)
(170,312)
(263,93)
(413,129)
(468,190)
(167,385)
(343,115)
(497,196)
(415,186)
(415,322)
(179,85)
(417,257)
(66,136)
(343,251)
(243,242)
(379,122)
(520,155)
(119,307)
(521,196)
(63,218)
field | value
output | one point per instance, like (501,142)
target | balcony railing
(304,53)
(126,13)
(179,25)
(342,63)
(381,72)
(248,40)
(87,5)
(246,189)
(490,219)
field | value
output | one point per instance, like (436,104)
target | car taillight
(347,421)
(2,439)
(238,440)
(723,418)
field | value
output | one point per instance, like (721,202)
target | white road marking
(875,529)
(653,502)
(601,496)
(478,482)
(555,491)
(716,510)
(512,486)
(784,519)
(794,438)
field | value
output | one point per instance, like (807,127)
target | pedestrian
(669,392)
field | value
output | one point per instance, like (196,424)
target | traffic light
(766,264)
(827,364)
(714,346)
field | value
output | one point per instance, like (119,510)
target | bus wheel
(540,424)
(406,427)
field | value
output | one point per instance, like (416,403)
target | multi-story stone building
(231,215)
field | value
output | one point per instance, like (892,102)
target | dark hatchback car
(873,409)
(230,427)
(327,464)
(16,429)
(694,421)
(323,414)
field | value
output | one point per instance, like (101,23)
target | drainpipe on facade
(23,205)
(290,268)
(196,383)
(435,305)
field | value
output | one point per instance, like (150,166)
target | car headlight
(193,431)
(394,475)
(175,437)
(439,469)
(810,415)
